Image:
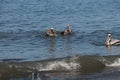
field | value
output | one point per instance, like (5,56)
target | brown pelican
(110,41)
(51,32)
(68,31)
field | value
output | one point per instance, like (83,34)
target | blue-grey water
(23,24)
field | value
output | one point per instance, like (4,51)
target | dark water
(22,38)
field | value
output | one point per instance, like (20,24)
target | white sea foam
(115,63)
(58,65)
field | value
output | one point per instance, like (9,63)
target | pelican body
(110,41)
(50,32)
(68,31)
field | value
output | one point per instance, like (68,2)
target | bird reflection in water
(37,76)
(52,47)
(108,48)
(68,46)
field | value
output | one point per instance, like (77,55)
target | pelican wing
(49,33)
(115,42)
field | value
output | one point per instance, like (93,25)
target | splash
(60,66)
(116,63)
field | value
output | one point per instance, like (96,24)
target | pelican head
(69,30)
(52,28)
(109,35)
(68,26)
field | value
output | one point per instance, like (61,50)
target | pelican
(110,41)
(51,32)
(68,31)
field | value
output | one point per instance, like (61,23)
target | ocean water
(27,54)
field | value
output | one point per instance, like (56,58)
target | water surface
(23,23)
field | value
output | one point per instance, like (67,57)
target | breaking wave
(81,64)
